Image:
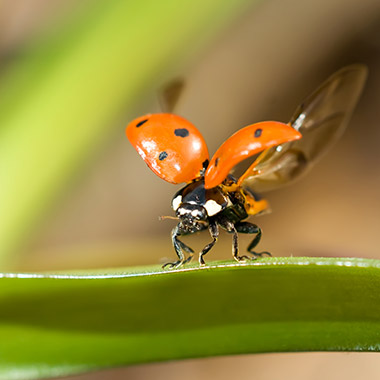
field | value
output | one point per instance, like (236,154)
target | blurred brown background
(259,69)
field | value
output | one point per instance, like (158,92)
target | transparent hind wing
(170,94)
(321,119)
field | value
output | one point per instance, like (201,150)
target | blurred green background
(74,193)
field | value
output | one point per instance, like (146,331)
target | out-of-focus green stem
(59,101)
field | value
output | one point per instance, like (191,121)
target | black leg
(249,228)
(230,227)
(178,246)
(185,247)
(235,244)
(214,232)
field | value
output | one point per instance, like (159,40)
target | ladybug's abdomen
(236,211)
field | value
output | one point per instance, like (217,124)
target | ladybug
(213,197)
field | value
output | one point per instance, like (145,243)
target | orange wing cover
(170,145)
(245,143)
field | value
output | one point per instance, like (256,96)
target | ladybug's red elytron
(176,151)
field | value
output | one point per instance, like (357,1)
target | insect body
(225,205)
(176,151)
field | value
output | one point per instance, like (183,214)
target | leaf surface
(59,324)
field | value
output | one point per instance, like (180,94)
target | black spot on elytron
(162,156)
(205,164)
(216,162)
(141,123)
(258,132)
(182,132)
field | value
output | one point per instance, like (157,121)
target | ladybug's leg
(230,227)
(186,248)
(235,243)
(178,246)
(249,228)
(189,250)
(214,232)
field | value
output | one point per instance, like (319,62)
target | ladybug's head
(191,211)
(191,214)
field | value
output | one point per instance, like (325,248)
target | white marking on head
(212,207)
(176,202)
(182,211)
(195,213)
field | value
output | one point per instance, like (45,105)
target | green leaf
(61,324)
(62,98)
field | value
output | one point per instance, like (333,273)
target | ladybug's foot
(174,265)
(260,254)
(178,263)
(244,258)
